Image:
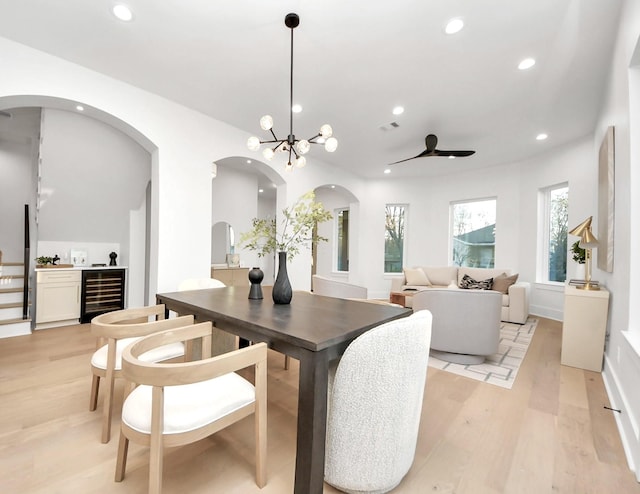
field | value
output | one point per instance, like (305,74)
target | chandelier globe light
(295,148)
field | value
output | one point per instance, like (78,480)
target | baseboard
(626,428)
(546,312)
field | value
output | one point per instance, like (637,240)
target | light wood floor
(548,434)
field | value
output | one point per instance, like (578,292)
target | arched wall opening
(89,186)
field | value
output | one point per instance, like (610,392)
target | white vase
(580,271)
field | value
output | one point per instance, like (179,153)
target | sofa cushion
(469,283)
(416,277)
(442,276)
(480,273)
(502,282)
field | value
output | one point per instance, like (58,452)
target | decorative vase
(255,277)
(282,292)
(580,271)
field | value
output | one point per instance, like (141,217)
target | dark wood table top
(310,321)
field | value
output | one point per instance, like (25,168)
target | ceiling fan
(431,141)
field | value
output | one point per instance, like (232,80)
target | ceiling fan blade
(422,154)
(457,154)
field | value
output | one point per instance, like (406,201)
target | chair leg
(155,465)
(93,399)
(121,463)
(260,416)
(286,362)
(107,407)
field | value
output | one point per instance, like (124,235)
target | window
(554,208)
(473,233)
(342,239)
(395,220)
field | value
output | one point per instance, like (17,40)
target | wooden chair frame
(160,375)
(111,327)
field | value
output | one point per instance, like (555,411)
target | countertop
(82,268)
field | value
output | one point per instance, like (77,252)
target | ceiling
(354,62)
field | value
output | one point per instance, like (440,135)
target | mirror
(222,242)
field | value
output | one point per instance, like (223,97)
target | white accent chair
(177,404)
(199,284)
(114,331)
(466,323)
(374,403)
(328,287)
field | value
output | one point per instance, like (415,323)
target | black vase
(282,292)
(255,277)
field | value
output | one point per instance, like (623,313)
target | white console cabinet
(57,295)
(584,328)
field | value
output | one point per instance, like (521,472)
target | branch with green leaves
(298,228)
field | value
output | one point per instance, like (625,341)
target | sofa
(515,294)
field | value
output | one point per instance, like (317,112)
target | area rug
(500,369)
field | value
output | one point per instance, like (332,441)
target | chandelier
(296,148)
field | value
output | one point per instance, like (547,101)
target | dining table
(313,329)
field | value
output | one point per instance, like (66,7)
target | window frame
(405,213)
(337,244)
(544,234)
(452,205)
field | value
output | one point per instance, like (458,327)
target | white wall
(92,177)
(622,357)
(335,199)
(235,201)
(18,155)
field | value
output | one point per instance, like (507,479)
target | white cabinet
(231,276)
(584,328)
(57,295)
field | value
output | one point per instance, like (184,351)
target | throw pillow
(469,283)
(502,282)
(416,277)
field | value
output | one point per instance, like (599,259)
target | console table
(584,327)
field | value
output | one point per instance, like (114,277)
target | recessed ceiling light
(260,191)
(248,162)
(527,63)
(454,26)
(79,107)
(387,171)
(398,110)
(296,108)
(541,137)
(122,12)
(452,157)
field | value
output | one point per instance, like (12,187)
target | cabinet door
(58,301)
(224,275)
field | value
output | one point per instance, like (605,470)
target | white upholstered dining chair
(180,403)
(114,331)
(374,404)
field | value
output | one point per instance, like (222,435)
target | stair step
(12,290)
(4,322)
(11,276)
(11,264)
(12,305)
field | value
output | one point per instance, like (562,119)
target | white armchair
(466,323)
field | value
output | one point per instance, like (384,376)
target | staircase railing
(27,256)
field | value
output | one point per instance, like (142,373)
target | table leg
(312,423)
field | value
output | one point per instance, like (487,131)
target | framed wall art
(606,198)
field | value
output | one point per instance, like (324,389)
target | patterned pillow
(468,282)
